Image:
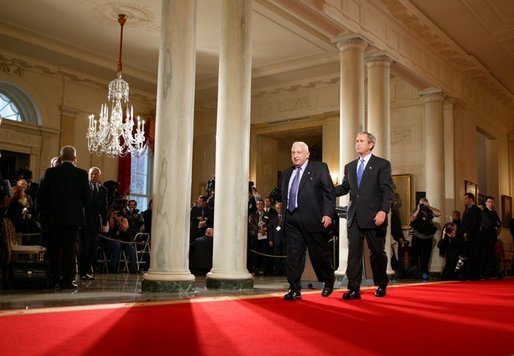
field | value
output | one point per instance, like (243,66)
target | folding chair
(142,245)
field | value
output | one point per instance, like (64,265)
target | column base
(172,287)
(230,284)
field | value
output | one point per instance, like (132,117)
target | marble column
(449,156)
(351,123)
(379,119)
(169,267)
(232,149)
(434,162)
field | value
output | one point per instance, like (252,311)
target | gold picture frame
(402,197)
(506,210)
(470,187)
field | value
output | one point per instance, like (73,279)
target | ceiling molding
(420,26)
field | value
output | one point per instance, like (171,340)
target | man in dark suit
(62,195)
(96,219)
(200,253)
(370,184)
(470,227)
(201,218)
(277,239)
(490,227)
(307,194)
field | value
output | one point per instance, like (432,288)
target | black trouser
(279,249)
(378,257)
(87,251)
(488,249)
(261,263)
(62,242)
(421,252)
(298,240)
(473,250)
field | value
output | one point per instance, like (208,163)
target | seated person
(118,230)
(200,253)
(135,219)
(19,210)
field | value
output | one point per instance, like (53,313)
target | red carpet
(468,318)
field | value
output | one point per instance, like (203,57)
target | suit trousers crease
(378,258)
(298,241)
(62,243)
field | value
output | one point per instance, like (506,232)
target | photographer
(135,219)
(451,246)
(423,230)
(119,230)
(19,210)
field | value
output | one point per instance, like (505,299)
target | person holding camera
(423,230)
(119,230)
(451,247)
(20,208)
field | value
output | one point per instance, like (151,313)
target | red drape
(124,174)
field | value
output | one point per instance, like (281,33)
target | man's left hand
(326,221)
(380,218)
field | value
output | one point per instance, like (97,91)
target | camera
(460,263)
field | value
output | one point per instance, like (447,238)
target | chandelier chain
(113,134)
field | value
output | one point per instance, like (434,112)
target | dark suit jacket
(315,195)
(62,195)
(253,223)
(200,253)
(374,194)
(471,219)
(277,237)
(96,210)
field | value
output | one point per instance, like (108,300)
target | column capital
(449,102)
(378,59)
(432,94)
(351,41)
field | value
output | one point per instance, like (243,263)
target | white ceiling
(83,36)
(483,28)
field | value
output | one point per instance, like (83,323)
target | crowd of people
(74,214)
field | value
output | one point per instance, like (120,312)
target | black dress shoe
(380,292)
(71,285)
(351,295)
(328,288)
(293,295)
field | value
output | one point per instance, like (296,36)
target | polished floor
(120,288)
(126,288)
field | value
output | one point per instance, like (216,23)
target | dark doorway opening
(11,162)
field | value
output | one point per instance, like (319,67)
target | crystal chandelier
(113,133)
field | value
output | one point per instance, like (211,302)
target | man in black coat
(307,195)
(201,218)
(370,184)
(490,226)
(200,253)
(470,227)
(277,239)
(62,195)
(96,218)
